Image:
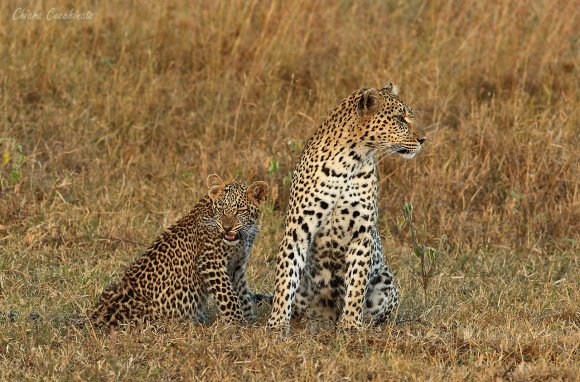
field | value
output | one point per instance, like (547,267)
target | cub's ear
(257,192)
(213,180)
(369,103)
(216,186)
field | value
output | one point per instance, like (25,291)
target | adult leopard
(330,262)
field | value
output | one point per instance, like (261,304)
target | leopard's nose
(421,140)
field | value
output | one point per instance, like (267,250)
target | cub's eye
(242,209)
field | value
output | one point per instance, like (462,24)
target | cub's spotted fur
(204,253)
(330,263)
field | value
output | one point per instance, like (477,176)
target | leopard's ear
(216,186)
(258,192)
(392,88)
(369,103)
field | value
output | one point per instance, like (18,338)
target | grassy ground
(109,126)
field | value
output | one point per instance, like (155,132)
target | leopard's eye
(401,119)
(242,209)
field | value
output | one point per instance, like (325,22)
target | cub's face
(236,207)
(386,123)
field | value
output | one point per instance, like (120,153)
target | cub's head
(385,122)
(236,206)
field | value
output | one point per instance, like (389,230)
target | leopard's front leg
(290,265)
(358,264)
(307,212)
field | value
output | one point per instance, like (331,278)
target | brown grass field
(109,127)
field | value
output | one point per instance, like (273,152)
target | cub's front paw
(232,318)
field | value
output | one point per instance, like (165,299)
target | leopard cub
(205,252)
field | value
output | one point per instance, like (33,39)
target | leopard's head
(236,207)
(385,122)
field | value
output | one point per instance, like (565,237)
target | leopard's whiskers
(383,155)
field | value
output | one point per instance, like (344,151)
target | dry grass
(110,126)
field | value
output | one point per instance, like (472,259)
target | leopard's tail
(259,297)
